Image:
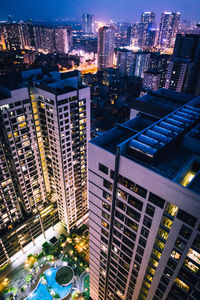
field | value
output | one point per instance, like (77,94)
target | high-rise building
(144,178)
(125,62)
(43,150)
(88,23)
(149,31)
(106,44)
(168,28)
(142,63)
(12,35)
(184,68)
(151,80)
(25,209)
(132,37)
(66,107)
(63,39)
(160,62)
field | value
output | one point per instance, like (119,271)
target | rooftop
(161,102)
(161,145)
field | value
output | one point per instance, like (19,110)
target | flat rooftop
(160,145)
(161,102)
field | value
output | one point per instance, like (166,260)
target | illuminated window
(182,285)
(22,125)
(171,209)
(166,222)
(21,118)
(175,255)
(163,233)
(194,255)
(188,264)
(156,253)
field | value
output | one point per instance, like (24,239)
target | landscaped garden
(49,274)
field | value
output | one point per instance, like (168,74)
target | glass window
(194,255)
(162,233)
(105,224)
(147,221)
(166,222)
(106,206)
(175,255)
(159,244)
(180,244)
(105,215)
(156,200)
(182,285)
(121,205)
(150,210)
(133,214)
(103,169)
(129,233)
(185,232)
(186,218)
(107,196)
(192,267)
(156,253)
(119,215)
(131,224)
(144,232)
(196,242)
(107,184)
(122,194)
(171,209)
(135,202)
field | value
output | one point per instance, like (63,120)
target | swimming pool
(41,292)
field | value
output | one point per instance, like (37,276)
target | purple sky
(118,10)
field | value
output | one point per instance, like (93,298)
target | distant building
(106,44)
(151,80)
(149,31)
(125,62)
(142,63)
(132,37)
(168,28)
(63,39)
(88,23)
(160,62)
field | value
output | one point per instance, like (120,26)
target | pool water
(42,292)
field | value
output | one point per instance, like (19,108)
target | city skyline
(102,10)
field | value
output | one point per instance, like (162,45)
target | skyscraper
(43,150)
(132,34)
(168,28)
(63,39)
(106,44)
(125,62)
(25,209)
(142,63)
(66,108)
(144,207)
(88,23)
(151,80)
(184,68)
(148,19)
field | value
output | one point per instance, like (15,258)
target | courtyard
(35,273)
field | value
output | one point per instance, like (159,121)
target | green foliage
(28,278)
(62,238)
(48,249)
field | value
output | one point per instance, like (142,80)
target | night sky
(117,10)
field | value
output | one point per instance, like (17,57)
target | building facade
(144,208)
(43,152)
(88,23)
(106,45)
(168,28)
(184,69)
